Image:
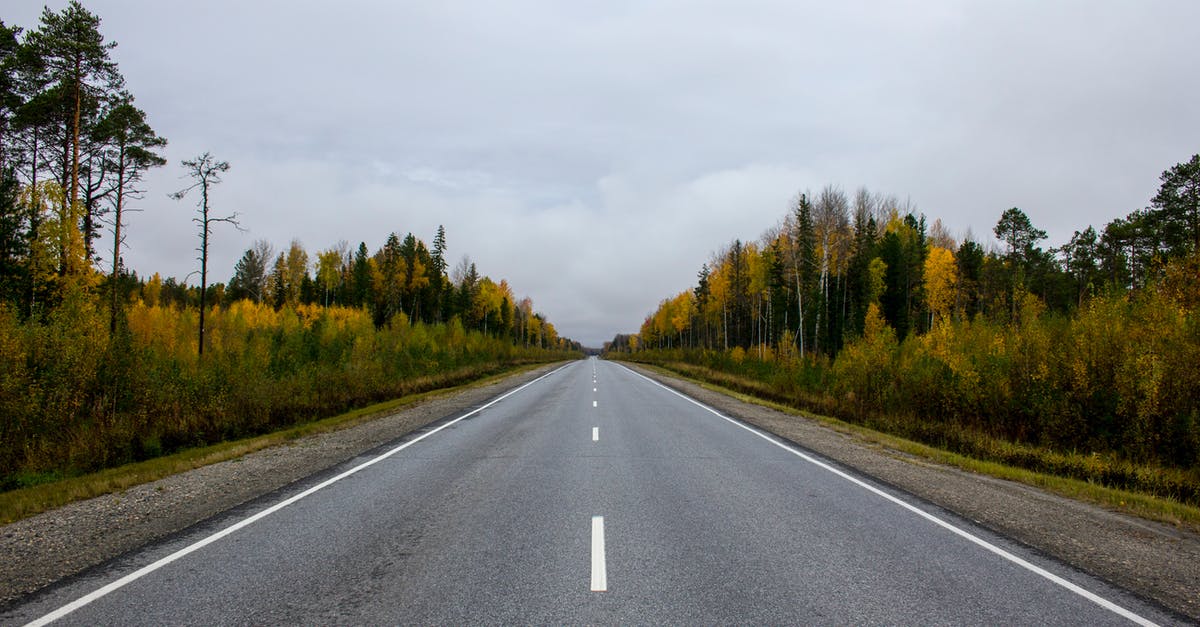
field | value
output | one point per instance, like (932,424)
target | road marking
(599,568)
(593,403)
(146,570)
(593,389)
(595,434)
(1037,570)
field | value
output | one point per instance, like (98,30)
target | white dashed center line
(595,434)
(599,568)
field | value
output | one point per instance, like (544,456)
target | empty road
(591,495)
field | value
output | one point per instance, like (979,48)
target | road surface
(591,495)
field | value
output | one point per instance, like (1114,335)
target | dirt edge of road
(1153,560)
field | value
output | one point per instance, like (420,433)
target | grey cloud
(595,154)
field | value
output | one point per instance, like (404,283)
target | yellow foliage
(941,277)
(57,255)
(946,342)
(152,290)
(159,328)
(787,352)
(1181,281)
(1031,308)
(875,329)
(878,271)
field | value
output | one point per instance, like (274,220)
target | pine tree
(703,291)
(10,97)
(206,172)
(249,277)
(132,152)
(1016,230)
(77,59)
(1177,205)
(360,292)
(968,260)
(388,280)
(437,275)
(13,247)
(804,265)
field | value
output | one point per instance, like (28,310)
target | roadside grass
(30,501)
(1152,507)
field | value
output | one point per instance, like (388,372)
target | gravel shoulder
(1153,560)
(1150,559)
(43,549)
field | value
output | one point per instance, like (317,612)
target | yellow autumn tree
(717,308)
(295,270)
(941,277)
(152,290)
(486,306)
(329,272)
(57,255)
(877,271)
(682,310)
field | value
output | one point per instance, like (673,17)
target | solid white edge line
(146,570)
(1094,598)
(599,568)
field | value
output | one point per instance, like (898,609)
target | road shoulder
(1150,559)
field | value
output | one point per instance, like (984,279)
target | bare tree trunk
(203,262)
(799,307)
(35,221)
(116,260)
(75,134)
(206,172)
(725,322)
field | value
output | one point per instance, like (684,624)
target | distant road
(591,495)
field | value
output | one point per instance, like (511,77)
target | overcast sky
(596,153)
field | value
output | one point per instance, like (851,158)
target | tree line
(810,281)
(73,151)
(404,277)
(100,367)
(1077,360)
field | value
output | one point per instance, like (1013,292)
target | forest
(1079,360)
(100,367)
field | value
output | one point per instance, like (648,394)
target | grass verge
(1146,506)
(33,500)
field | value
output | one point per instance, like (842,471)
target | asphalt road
(591,495)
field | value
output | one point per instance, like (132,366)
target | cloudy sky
(596,153)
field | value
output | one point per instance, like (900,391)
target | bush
(1111,395)
(75,399)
